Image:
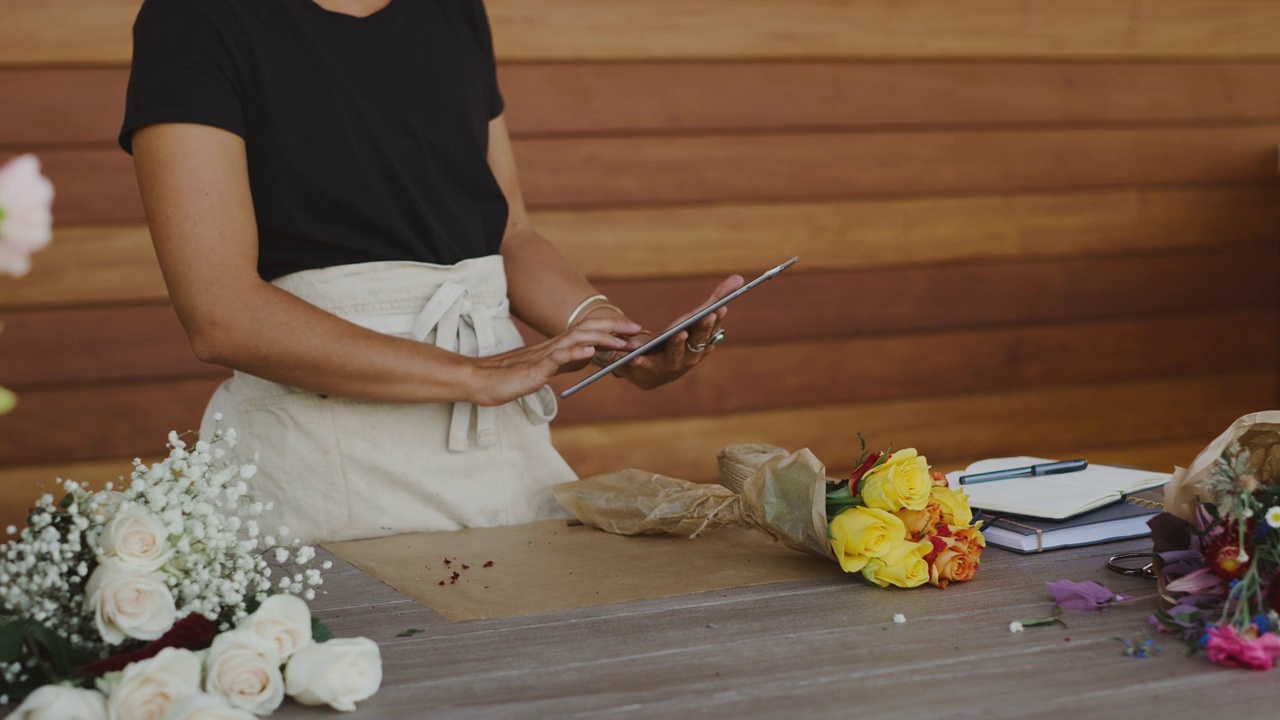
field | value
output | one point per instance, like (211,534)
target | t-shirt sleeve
(184,69)
(494,104)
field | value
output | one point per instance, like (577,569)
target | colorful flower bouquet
(156,599)
(891,521)
(1218,547)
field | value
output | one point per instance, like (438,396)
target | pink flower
(1250,650)
(26,217)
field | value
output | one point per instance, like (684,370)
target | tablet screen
(682,325)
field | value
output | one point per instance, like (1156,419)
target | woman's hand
(681,352)
(499,379)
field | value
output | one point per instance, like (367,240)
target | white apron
(340,469)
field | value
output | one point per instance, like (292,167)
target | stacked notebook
(1032,514)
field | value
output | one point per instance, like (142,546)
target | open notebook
(1054,497)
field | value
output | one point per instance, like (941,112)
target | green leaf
(11,635)
(319,632)
(63,656)
(410,632)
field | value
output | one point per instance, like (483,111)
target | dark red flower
(1273,595)
(193,632)
(1222,555)
(855,477)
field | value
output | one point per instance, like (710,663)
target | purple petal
(1087,595)
(1198,582)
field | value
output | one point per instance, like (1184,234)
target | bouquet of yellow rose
(892,521)
(899,524)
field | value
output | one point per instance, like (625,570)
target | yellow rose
(861,533)
(901,482)
(903,566)
(955,505)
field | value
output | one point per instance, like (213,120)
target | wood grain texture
(1045,29)
(724,168)
(98,185)
(1044,422)
(799,374)
(97,31)
(817,305)
(587,97)
(78,423)
(52,106)
(680,241)
(86,265)
(97,344)
(650,242)
(695,655)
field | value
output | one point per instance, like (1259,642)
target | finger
(555,361)
(726,286)
(613,325)
(700,333)
(582,336)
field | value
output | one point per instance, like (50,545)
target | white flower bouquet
(156,599)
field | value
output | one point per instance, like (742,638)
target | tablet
(682,325)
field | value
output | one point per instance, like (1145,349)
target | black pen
(1053,468)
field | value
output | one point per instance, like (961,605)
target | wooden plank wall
(1033,226)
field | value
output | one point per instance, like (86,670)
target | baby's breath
(217,567)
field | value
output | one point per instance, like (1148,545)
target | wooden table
(815,648)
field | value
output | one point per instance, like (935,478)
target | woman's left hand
(684,350)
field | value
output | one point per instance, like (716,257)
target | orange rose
(951,561)
(920,523)
(971,537)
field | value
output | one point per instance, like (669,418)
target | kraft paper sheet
(549,565)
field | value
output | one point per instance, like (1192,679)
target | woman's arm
(544,288)
(195,188)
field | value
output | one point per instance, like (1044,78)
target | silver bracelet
(582,306)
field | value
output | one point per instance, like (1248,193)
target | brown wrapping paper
(547,566)
(1258,432)
(785,499)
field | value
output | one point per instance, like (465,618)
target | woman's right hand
(499,379)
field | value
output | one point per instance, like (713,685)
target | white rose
(148,688)
(26,217)
(203,706)
(284,621)
(59,702)
(339,673)
(137,538)
(128,603)
(245,669)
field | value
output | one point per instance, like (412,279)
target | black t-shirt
(367,138)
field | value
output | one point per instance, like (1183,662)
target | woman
(334,204)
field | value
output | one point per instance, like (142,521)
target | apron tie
(462,327)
